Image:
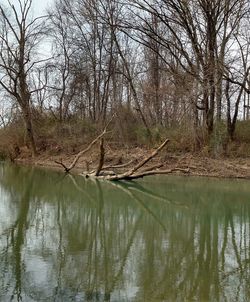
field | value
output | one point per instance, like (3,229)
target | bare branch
(81,153)
(147,159)
(101,160)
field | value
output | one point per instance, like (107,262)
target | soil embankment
(197,165)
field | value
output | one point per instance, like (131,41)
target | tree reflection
(15,236)
(92,241)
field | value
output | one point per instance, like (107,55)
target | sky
(38,6)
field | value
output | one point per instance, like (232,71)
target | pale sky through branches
(38,6)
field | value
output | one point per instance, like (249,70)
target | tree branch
(81,153)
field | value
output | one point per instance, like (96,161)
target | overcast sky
(38,6)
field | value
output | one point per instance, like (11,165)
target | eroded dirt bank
(196,165)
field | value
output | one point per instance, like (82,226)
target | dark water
(159,239)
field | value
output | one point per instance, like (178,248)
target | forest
(176,69)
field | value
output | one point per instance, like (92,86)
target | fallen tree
(67,169)
(137,171)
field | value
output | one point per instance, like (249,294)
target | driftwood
(147,159)
(101,160)
(147,173)
(131,174)
(118,166)
(134,172)
(81,153)
(138,171)
(106,170)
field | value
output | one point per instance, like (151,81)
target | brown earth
(197,165)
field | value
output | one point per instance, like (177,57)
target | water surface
(64,238)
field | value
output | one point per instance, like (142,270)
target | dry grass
(55,139)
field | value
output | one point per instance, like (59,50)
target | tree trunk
(29,130)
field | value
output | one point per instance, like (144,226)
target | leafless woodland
(167,63)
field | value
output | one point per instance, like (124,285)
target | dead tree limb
(63,165)
(118,166)
(101,160)
(81,153)
(142,174)
(147,159)
(107,168)
(151,168)
(131,174)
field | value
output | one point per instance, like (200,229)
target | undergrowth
(68,137)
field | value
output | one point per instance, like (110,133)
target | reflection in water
(163,239)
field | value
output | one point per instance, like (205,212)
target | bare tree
(197,35)
(19,38)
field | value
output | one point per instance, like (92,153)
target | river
(166,238)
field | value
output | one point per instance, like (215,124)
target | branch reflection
(82,240)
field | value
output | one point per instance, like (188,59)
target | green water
(64,238)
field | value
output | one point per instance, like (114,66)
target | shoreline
(199,166)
